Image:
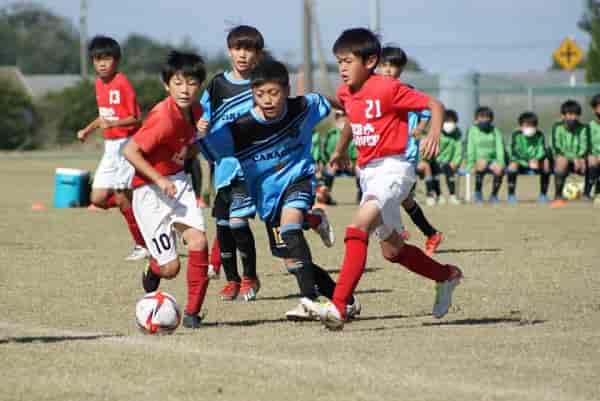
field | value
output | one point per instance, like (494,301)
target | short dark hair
(246,37)
(528,117)
(595,101)
(359,41)
(451,115)
(269,70)
(570,106)
(101,46)
(188,64)
(394,55)
(484,111)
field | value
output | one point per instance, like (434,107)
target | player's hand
(202,127)
(339,161)
(430,146)
(452,166)
(534,164)
(104,123)
(81,135)
(417,133)
(167,186)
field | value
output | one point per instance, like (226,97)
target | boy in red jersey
(163,198)
(119,118)
(377,109)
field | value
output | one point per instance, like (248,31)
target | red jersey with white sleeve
(164,138)
(116,100)
(378,115)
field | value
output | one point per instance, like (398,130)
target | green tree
(590,23)
(18,119)
(37,41)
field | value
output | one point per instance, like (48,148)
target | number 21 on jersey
(373,109)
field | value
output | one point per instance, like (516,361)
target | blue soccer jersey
(412,147)
(273,154)
(223,101)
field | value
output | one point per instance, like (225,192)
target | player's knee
(195,239)
(170,270)
(293,237)
(97,200)
(391,252)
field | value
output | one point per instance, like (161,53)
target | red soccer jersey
(378,114)
(164,138)
(116,100)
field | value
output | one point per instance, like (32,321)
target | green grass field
(525,324)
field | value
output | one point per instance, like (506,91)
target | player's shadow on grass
(486,321)
(55,339)
(367,270)
(470,250)
(298,296)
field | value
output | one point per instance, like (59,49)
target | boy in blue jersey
(272,143)
(393,61)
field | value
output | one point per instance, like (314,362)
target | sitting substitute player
(377,108)
(272,143)
(119,117)
(163,199)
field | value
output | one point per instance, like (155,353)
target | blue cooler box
(71,187)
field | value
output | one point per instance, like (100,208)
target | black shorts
(233,201)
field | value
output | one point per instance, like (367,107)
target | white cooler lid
(71,171)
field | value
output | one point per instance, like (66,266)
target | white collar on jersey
(229,76)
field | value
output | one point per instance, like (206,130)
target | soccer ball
(157,313)
(573,190)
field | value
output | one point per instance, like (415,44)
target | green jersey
(594,135)
(315,149)
(570,144)
(451,148)
(483,145)
(525,148)
(331,139)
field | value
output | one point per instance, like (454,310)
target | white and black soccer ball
(573,190)
(157,313)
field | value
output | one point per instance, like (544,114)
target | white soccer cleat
(441,200)
(306,310)
(324,229)
(430,201)
(353,311)
(443,294)
(453,200)
(330,316)
(138,253)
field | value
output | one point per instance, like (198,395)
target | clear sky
(443,35)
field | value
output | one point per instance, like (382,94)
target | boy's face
(483,118)
(184,90)
(243,60)
(105,66)
(528,129)
(354,71)
(270,99)
(390,70)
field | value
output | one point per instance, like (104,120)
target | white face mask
(449,126)
(528,131)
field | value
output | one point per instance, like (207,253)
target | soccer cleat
(330,316)
(249,288)
(138,253)
(353,311)
(230,291)
(192,321)
(453,200)
(433,242)
(430,201)
(324,229)
(306,310)
(512,199)
(214,273)
(150,281)
(494,200)
(478,197)
(443,293)
(558,203)
(543,198)
(441,200)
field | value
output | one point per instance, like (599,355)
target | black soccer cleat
(192,321)
(150,281)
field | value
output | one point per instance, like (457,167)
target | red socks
(355,258)
(133,227)
(155,267)
(416,261)
(215,254)
(313,220)
(110,202)
(197,280)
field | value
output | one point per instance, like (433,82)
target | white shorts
(156,213)
(114,171)
(388,181)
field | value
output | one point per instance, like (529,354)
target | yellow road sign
(568,54)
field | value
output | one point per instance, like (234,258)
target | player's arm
(500,152)
(339,158)
(134,154)
(335,103)
(82,134)
(458,154)
(430,145)
(123,122)
(471,149)
(540,151)
(584,142)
